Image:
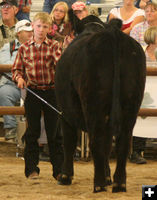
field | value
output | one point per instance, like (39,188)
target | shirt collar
(32,41)
(1,23)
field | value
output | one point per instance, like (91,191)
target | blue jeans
(48,4)
(9,96)
(21,15)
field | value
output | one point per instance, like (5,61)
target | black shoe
(137,158)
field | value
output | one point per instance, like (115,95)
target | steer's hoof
(108,181)
(99,189)
(118,188)
(64,180)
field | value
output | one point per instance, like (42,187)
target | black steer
(99,83)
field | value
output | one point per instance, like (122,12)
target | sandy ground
(14,185)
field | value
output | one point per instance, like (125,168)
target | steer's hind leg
(70,140)
(123,141)
(100,144)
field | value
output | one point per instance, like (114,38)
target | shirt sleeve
(114,11)
(135,33)
(57,51)
(17,68)
(140,12)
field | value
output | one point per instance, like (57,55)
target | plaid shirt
(22,3)
(138,33)
(36,65)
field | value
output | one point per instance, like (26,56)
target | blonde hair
(65,5)
(151,4)
(44,17)
(150,35)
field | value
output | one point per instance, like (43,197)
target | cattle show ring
(14,185)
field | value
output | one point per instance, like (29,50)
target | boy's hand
(21,83)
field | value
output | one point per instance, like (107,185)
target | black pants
(139,144)
(33,108)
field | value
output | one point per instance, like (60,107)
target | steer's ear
(116,23)
(76,24)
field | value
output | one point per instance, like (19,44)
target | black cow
(99,85)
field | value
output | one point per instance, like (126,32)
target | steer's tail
(115,115)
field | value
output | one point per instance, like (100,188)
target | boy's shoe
(33,175)
(137,158)
(10,133)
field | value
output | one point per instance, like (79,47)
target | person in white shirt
(129,14)
(151,20)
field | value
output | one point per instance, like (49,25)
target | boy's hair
(150,35)
(44,17)
(65,5)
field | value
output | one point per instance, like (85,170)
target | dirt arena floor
(14,185)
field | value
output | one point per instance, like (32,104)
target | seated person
(151,20)
(8,9)
(24,7)
(49,4)
(9,92)
(143,3)
(60,25)
(150,38)
(129,14)
(80,10)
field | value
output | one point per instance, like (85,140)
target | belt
(42,87)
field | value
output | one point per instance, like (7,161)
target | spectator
(151,20)
(60,25)
(119,3)
(8,21)
(24,7)
(129,14)
(80,9)
(34,68)
(143,3)
(48,4)
(9,93)
(138,34)
(150,37)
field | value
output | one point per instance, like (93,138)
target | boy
(34,68)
